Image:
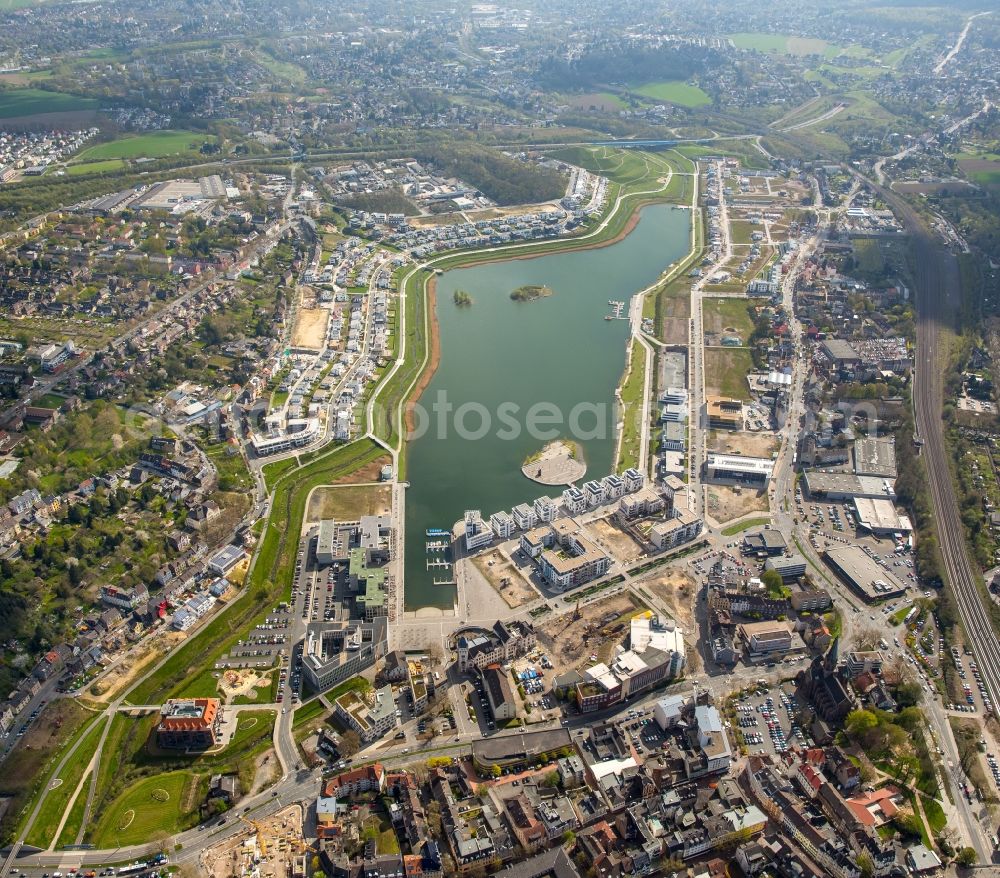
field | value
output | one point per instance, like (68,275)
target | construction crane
(261,835)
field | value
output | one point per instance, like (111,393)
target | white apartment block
(502,525)
(525,516)
(546,509)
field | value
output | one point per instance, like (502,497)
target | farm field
(154,145)
(603,101)
(675,92)
(32,101)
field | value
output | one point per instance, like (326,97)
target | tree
(773,582)
(349,743)
(495,770)
(860,722)
(966,857)
(551,779)
(908,694)
(568,837)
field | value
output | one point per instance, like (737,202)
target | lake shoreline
(430,303)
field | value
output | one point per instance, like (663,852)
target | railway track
(937,301)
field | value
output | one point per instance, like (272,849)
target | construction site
(271,847)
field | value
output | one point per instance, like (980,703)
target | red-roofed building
(358,780)
(809,779)
(189,724)
(876,808)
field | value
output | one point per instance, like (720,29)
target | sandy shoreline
(434,355)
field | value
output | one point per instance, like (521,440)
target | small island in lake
(530,292)
(462,298)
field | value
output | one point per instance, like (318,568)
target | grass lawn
(75,820)
(633,382)
(30,101)
(674,91)
(734,529)
(153,145)
(95,167)
(47,821)
(935,815)
(59,725)
(730,316)
(726,372)
(160,803)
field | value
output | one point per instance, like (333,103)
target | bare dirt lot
(678,591)
(310,328)
(569,643)
(726,503)
(350,502)
(505,578)
(749,444)
(279,835)
(621,545)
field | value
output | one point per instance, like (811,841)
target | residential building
(189,724)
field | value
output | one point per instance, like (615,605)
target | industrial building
(863,573)
(880,517)
(736,468)
(847,486)
(875,457)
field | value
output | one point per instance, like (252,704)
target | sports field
(674,92)
(31,101)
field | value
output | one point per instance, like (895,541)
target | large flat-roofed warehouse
(737,468)
(863,574)
(846,486)
(875,457)
(880,516)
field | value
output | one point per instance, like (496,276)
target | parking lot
(766,721)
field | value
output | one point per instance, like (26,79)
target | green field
(154,145)
(95,167)
(57,799)
(31,101)
(781,44)
(675,92)
(154,804)
(726,372)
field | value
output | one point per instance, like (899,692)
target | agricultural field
(32,101)
(675,92)
(156,144)
(603,101)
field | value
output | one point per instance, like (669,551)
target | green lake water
(496,352)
